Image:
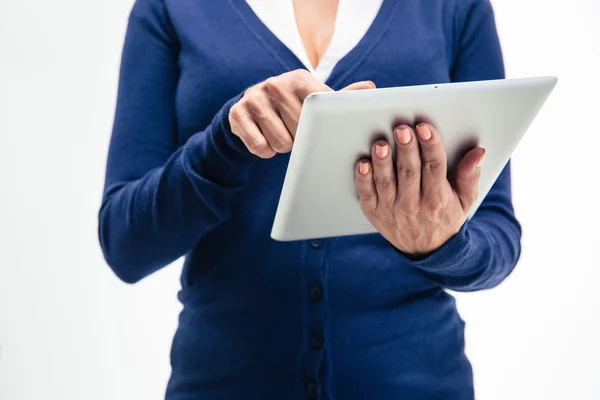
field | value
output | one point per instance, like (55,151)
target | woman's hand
(412,204)
(266,117)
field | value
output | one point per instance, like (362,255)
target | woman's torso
(264,319)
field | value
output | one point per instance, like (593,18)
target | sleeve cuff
(451,256)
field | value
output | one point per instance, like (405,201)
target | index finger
(305,83)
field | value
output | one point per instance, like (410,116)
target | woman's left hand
(412,204)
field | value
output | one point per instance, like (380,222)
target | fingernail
(372,84)
(424,132)
(403,135)
(363,167)
(381,150)
(481,158)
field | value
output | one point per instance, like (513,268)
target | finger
(408,169)
(467,177)
(304,83)
(290,106)
(270,124)
(359,86)
(384,176)
(289,111)
(434,183)
(365,187)
(286,103)
(243,126)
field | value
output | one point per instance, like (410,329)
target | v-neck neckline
(289,60)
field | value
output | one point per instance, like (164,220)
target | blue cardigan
(343,318)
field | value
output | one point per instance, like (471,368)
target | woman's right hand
(266,117)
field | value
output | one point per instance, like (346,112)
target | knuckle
(273,85)
(410,207)
(300,79)
(281,145)
(383,182)
(250,93)
(434,204)
(434,166)
(366,195)
(300,73)
(235,112)
(258,146)
(367,201)
(246,99)
(256,108)
(408,173)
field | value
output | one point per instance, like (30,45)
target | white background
(69,330)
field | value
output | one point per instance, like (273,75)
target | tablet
(336,129)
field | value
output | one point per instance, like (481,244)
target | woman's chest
(222,54)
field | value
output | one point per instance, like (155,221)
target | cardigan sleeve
(161,198)
(488,246)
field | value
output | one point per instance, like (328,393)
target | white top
(354,17)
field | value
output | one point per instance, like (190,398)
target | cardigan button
(312,389)
(316,243)
(316,341)
(315,293)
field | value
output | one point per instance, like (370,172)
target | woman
(209,97)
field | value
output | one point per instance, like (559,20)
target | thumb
(360,86)
(467,177)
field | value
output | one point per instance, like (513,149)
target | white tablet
(336,129)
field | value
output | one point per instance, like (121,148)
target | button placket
(314,295)
(316,341)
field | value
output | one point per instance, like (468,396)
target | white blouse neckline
(353,20)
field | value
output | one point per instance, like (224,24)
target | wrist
(453,252)
(422,249)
